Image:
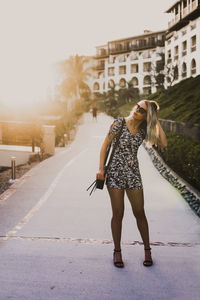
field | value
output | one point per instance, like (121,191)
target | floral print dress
(123,172)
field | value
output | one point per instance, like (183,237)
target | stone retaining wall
(189,130)
(191,195)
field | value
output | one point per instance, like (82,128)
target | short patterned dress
(123,172)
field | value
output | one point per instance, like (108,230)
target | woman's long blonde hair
(152,134)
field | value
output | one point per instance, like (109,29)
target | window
(146,90)
(134,68)
(169,59)
(176,53)
(111,71)
(193,67)
(176,73)
(96,86)
(111,60)
(184,70)
(160,65)
(122,58)
(184,48)
(193,43)
(122,70)
(147,80)
(134,81)
(100,65)
(111,84)
(147,67)
(122,83)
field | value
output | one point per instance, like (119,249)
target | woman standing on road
(123,173)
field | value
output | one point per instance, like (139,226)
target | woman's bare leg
(136,199)
(117,203)
(137,203)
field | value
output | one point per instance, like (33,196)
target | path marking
(43,199)
(96,241)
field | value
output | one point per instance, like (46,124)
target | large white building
(182,46)
(131,59)
(135,58)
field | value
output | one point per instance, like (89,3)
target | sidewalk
(56,241)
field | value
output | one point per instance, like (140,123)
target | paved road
(56,242)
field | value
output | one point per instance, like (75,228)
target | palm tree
(76,73)
(129,93)
(112,95)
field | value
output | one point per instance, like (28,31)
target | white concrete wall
(22,157)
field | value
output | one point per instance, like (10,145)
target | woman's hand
(100,175)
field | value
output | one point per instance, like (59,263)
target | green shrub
(183,156)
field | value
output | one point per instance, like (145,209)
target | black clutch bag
(97,184)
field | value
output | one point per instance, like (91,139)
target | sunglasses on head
(141,109)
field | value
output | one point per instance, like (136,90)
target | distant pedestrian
(94,112)
(123,174)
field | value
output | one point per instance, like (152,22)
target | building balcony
(184,15)
(102,54)
(128,48)
(174,21)
(194,5)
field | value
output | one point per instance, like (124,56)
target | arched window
(111,83)
(96,86)
(122,83)
(176,72)
(184,70)
(193,66)
(134,81)
(147,80)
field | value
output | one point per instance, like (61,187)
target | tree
(158,73)
(128,94)
(75,74)
(163,74)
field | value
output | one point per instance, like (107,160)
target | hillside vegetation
(180,102)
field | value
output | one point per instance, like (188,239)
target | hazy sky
(36,33)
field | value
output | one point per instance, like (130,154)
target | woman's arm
(162,137)
(104,147)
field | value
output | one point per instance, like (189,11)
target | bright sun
(26,81)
